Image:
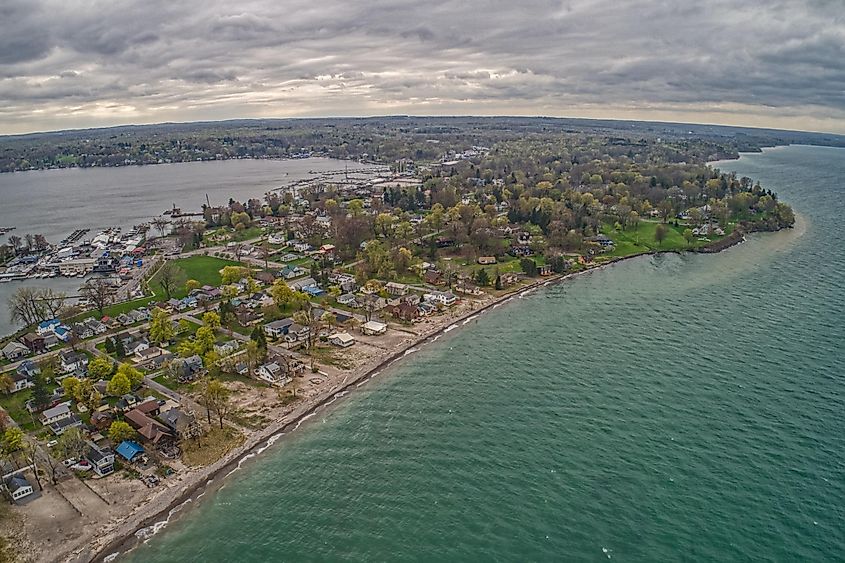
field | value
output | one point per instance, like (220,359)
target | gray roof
(56,411)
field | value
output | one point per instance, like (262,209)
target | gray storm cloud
(78,64)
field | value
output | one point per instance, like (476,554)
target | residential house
(296,332)
(227,348)
(34,342)
(273,373)
(18,487)
(434,277)
(396,289)
(14,350)
(28,368)
(129,450)
(299,285)
(178,421)
(405,311)
(342,339)
(127,402)
(445,298)
(146,353)
(426,309)
(486,260)
(46,327)
(150,429)
(247,315)
(188,369)
(82,331)
(371,328)
(60,418)
(348,300)
(278,329)
(101,459)
(544,270)
(61,332)
(101,420)
(20,382)
(70,361)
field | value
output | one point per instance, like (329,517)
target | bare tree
(99,292)
(25,306)
(170,277)
(161,225)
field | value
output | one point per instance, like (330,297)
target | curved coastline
(145,525)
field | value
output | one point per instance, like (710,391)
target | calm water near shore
(667,408)
(55,202)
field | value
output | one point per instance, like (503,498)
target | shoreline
(142,527)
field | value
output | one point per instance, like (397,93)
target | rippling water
(667,408)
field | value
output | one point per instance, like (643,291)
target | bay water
(56,202)
(672,407)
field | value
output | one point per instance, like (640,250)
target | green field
(641,239)
(204,269)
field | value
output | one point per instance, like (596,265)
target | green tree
(161,327)
(40,393)
(70,386)
(211,319)
(119,348)
(529,266)
(259,338)
(689,236)
(285,298)
(120,431)
(217,396)
(12,442)
(204,340)
(482,278)
(109,344)
(119,385)
(134,376)
(191,285)
(232,274)
(100,367)
(660,233)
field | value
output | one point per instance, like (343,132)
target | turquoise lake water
(667,408)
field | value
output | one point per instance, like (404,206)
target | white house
(371,328)
(70,361)
(396,289)
(101,459)
(445,298)
(277,238)
(14,350)
(56,414)
(18,487)
(342,339)
(273,373)
(20,381)
(277,329)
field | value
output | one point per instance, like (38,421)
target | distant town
(198,334)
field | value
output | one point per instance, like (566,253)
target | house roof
(58,410)
(128,449)
(17,482)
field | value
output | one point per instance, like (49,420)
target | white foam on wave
(145,534)
(450,327)
(436,338)
(410,351)
(111,557)
(303,419)
(241,462)
(472,318)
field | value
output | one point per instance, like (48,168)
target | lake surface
(56,202)
(667,408)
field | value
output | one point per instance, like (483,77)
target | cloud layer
(778,63)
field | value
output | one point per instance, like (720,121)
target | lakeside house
(101,459)
(342,339)
(273,373)
(129,450)
(373,328)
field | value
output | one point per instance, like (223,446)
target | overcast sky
(769,63)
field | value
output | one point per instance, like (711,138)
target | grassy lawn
(15,405)
(330,355)
(204,269)
(641,239)
(211,447)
